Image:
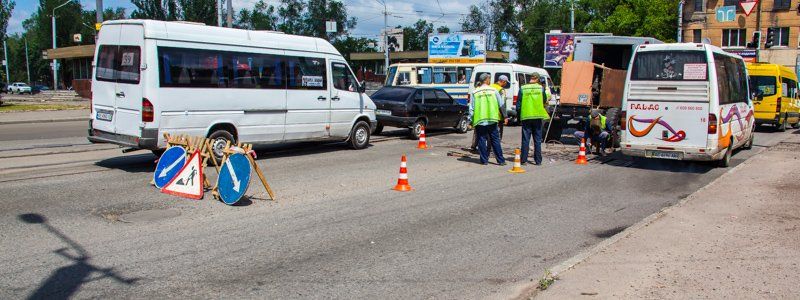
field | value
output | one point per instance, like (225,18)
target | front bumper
(148,139)
(395,121)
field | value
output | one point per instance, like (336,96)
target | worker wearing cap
(500,85)
(532,114)
(485,113)
(597,131)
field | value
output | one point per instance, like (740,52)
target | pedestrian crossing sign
(189,181)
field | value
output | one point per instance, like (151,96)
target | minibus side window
(789,87)
(424,75)
(306,73)
(342,78)
(731,83)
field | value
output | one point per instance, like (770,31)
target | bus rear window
(766,85)
(118,64)
(670,65)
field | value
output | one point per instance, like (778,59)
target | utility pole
(99,13)
(219,13)
(55,61)
(572,16)
(5,60)
(680,21)
(230,13)
(27,62)
(386,39)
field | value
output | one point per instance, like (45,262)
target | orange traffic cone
(517,164)
(422,144)
(582,154)
(402,180)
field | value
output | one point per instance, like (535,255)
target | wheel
(359,136)
(782,127)
(463,125)
(378,129)
(726,160)
(749,144)
(416,128)
(219,139)
(796,125)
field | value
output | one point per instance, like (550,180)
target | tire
(219,139)
(726,159)
(782,127)
(463,125)
(359,135)
(414,130)
(378,129)
(796,125)
(749,144)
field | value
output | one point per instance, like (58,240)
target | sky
(369,13)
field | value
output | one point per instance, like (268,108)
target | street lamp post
(55,61)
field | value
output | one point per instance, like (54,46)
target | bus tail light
(623,124)
(147,110)
(515,100)
(778,105)
(712,123)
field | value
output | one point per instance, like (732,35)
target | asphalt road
(14,132)
(336,231)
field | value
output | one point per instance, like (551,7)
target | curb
(530,291)
(43,121)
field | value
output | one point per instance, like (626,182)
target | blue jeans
(485,133)
(532,128)
(600,138)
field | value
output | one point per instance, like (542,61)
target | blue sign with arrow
(169,165)
(234,177)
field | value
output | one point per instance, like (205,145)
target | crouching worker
(485,113)
(598,132)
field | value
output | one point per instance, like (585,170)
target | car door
(307,98)
(104,84)
(128,94)
(430,108)
(346,100)
(450,112)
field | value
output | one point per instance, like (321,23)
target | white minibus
(452,78)
(154,77)
(518,76)
(686,102)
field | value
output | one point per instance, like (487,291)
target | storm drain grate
(786,147)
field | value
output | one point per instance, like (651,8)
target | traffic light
(754,43)
(770,38)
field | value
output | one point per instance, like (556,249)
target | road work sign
(189,181)
(234,177)
(168,165)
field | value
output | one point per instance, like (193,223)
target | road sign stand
(203,145)
(243,149)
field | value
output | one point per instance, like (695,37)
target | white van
(518,76)
(153,77)
(686,102)
(452,78)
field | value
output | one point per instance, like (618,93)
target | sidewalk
(738,238)
(44,116)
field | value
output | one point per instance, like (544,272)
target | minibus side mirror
(362,88)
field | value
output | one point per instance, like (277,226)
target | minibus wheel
(749,144)
(782,127)
(359,136)
(219,139)
(726,160)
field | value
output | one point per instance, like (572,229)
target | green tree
(349,44)
(6,7)
(443,29)
(261,17)
(320,11)
(290,13)
(651,18)
(166,10)
(201,11)
(415,37)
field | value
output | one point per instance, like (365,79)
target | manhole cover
(149,215)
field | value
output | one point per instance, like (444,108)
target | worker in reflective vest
(485,113)
(532,114)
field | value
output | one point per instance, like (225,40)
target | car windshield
(766,85)
(670,65)
(392,94)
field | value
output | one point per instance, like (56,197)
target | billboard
(558,47)
(395,36)
(748,55)
(457,48)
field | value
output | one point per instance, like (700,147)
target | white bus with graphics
(686,102)
(452,78)
(154,77)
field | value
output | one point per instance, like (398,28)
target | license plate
(104,115)
(664,154)
(383,112)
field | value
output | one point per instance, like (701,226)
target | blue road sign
(234,177)
(726,14)
(504,36)
(169,165)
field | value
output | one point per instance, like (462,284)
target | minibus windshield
(764,84)
(670,66)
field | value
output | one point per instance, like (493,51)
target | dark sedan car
(413,107)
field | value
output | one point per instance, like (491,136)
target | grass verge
(16,107)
